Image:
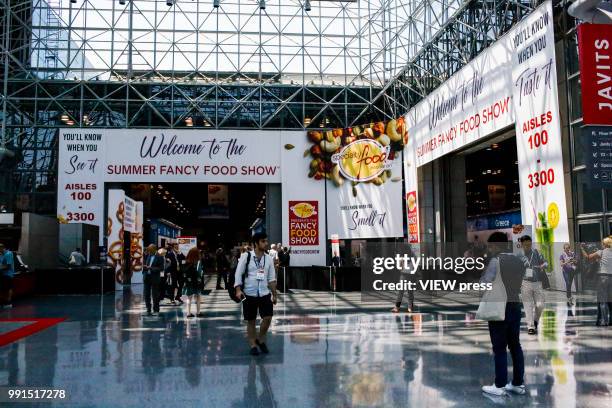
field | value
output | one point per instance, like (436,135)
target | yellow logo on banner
(303,210)
(411,202)
(362,160)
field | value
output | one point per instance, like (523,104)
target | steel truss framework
(143,64)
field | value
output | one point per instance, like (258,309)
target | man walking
(532,291)
(258,290)
(7,271)
(153,268)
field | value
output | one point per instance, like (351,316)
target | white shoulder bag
(493,303)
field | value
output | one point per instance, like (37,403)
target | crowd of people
(249,272)
(523,281)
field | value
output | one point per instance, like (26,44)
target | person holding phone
(258,292)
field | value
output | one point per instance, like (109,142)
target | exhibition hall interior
(306,203)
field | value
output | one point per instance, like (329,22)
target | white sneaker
(7,306)
(493,390)
(515,389)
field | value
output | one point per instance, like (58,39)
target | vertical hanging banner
(129,215)
(303,223)
(413,217)
(302,215)
(538,133)
(363,169)
(218,202)
(80,178)
(595,48)
(115,233)
(136,243)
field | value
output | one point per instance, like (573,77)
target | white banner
(303,200)
(89,158)
(364,190)
(538,133)
(80,178)
(186,243)
(367,209)
(204,156)
(513,81)
(473,103)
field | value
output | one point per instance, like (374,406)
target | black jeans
(151,290)
(222,275)
(177,283)
(400,297)
(505,335)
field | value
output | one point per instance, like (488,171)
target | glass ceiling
(361,43)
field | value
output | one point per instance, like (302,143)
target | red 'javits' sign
(595,47)
(303,223)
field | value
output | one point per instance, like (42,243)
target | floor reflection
(324,353)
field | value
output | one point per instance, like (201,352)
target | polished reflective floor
(327,350)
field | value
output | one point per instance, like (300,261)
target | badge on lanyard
(529,271)
(260,270)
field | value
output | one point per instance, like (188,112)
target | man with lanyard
(7,271)
(258,291)
(532,292)
(152,270)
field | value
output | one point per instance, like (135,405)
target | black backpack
(231,281)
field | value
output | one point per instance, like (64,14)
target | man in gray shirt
(532,291)
(258,291)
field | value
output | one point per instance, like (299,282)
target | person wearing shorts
(258,292)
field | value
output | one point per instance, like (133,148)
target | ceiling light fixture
(307,6)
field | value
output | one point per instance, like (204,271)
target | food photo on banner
(362,170)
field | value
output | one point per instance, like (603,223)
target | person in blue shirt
(7,271)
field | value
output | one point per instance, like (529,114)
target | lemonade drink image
(545,236)
(544,231)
